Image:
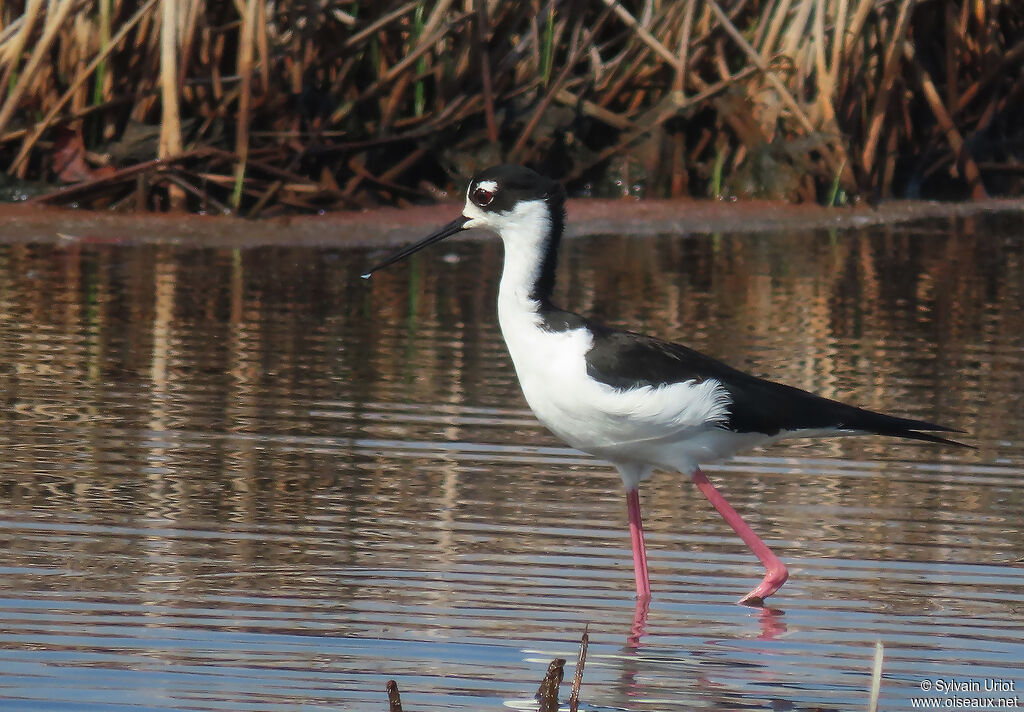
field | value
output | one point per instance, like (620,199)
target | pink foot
(772,582)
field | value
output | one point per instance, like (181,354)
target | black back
(625,360)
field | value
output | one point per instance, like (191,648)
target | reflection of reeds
(801,99)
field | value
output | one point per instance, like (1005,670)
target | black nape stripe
(545,285)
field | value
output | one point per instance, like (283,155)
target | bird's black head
(500,188)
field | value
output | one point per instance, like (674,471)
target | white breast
(673,426)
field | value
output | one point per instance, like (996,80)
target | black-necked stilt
(631,399)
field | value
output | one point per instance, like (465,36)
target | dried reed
(288,106)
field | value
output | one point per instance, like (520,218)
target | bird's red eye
(482,196)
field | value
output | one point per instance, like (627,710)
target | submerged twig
(394,698)
(547,693)
(577,678)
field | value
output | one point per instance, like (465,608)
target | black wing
(623,360)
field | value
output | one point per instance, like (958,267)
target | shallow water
(249,480)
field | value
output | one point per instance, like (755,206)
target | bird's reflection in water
(772,625)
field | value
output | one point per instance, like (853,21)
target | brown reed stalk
(892,55)
(170,122)
(574,52)
(245,55)
(51,26)
(776,18)
(945,122)
(14,43)
(482,27)
(646,37)
(679,81)
(755,58)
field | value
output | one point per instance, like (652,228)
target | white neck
(526,233)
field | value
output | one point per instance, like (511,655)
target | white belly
(673,427)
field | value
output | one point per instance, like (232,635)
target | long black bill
(448,230)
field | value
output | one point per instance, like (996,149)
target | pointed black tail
(880,424)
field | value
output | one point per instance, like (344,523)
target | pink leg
(777,573)
(636,533)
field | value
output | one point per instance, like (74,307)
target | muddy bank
(20,223)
